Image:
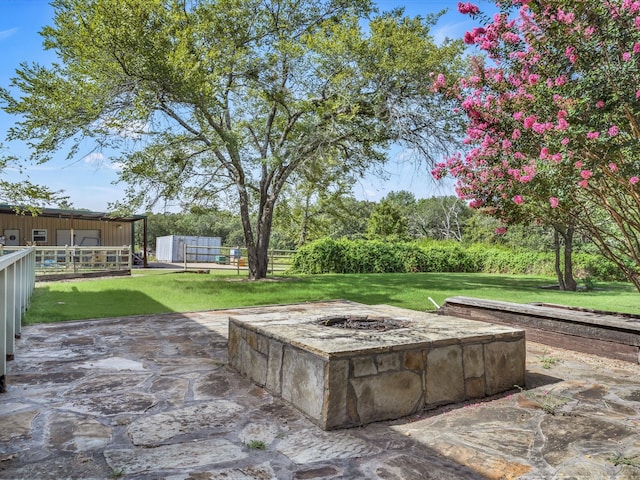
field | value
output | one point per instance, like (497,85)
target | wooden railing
(17,280)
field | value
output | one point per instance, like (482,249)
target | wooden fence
(229,258)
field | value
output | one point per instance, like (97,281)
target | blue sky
(87,179)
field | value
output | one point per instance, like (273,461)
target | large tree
(553,121)
(226,99)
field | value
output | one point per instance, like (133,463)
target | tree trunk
(258,252)
(305,223)
(569,281)
(258,257)
(258,241)
(556,251)
(635,279)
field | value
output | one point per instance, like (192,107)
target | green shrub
(497,259)
(375,256)
(596,266)
(320,256)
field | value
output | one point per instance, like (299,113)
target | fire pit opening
(363,322)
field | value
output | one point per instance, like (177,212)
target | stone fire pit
(344,364)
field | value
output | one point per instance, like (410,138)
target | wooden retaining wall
(607,334)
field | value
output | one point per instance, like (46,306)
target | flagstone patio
(152,397)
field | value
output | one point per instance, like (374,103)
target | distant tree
(387,222)
(350,220)
(196,223)
(440,218)
(65,204)
(402,199)
(208,97)
(313,199)
(481,228)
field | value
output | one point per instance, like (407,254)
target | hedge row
(363,256)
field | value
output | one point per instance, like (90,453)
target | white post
(10,309)
(3,329)
(21,294)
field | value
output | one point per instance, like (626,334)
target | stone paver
(153,397)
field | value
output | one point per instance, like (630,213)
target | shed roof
(76,214)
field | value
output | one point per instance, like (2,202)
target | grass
(152,292)
(549,362)
(618,459)
(549,402)
(256,445)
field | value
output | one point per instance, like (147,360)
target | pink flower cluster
(468,8)
(474,35)
(439,83)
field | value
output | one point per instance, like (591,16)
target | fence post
(21,294)
(3,329)
(10,309)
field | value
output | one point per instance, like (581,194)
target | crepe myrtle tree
(553,108)
(225,99)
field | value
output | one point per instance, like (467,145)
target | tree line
(398,217)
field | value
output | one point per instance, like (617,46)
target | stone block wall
(366,386)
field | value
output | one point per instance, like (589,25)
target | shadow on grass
(410,290)
(382,288)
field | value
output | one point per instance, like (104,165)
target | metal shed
(171,248)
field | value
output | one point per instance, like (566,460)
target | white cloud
(7,33)
(100,160)
(94,158)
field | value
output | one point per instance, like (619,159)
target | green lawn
(148,293)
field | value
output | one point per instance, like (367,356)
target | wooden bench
(608,334)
